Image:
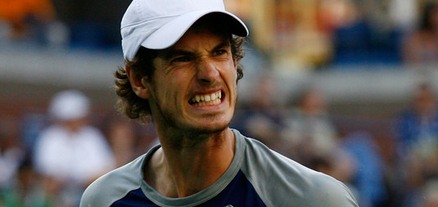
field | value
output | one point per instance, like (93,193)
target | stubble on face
(172,112)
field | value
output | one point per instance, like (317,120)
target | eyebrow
(169,53)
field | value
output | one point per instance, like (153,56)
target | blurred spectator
(309,132)
(310,137)
(32,123)
(419,122)
(26,190)
(340,164)
(122,138)
(422,45)
(361,32)
(10,153)
(26,18)
(350,34)
(430,194)
(417,133)
(148,138)
(403,13)
(369,177)
(91,24)
(261,116)
(70,153)
(427,196)
(127,139)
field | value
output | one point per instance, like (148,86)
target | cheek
(235,75)
(170,91)
(165,94)
(231,70)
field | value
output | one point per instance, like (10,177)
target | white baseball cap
(69,105)
(158,24)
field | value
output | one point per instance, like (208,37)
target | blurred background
(346,87)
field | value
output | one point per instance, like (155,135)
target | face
(194,85)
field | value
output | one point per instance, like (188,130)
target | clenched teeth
(207,99)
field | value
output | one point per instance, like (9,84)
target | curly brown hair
(136,108)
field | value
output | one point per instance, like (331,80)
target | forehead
(201,35)
(209,26)
(198,33)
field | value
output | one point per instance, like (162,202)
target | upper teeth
(207,97)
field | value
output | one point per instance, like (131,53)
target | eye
(220,52)
(184,58)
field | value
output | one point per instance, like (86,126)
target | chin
(210,128)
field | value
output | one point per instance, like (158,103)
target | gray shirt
(257,176)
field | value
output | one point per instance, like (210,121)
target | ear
(138,83)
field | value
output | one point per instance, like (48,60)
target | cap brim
(171,32)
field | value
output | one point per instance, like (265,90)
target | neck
(191,165)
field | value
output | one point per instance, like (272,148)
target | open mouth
(207,99)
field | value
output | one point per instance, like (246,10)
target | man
(182,72)
(70,153)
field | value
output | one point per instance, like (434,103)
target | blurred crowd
(63,150)
(314,32)
(392,163)
(64,24)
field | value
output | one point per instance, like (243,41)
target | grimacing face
(194,85)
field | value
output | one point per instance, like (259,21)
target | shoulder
(281,181)
(114,185)
(52,131)
(324,190)
(51,138)
(92,132)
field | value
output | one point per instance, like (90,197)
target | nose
(207,71)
